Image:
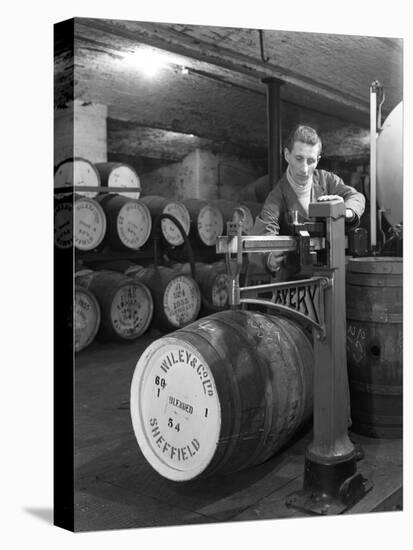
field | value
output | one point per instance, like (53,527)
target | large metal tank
(390,166)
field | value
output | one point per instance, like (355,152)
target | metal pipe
(373,164)
(273,129)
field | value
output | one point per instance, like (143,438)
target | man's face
(302,160)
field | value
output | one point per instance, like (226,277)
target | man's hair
(305,134)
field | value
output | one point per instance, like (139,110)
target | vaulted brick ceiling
(221,99)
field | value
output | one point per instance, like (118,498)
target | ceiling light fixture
(149,62)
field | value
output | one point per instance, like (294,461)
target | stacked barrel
(100,210)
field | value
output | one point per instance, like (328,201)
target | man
(301,184)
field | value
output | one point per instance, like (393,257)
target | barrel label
(220,290)
(184,357)
(134,225)
(63,225)
(130,311)
(124,176)
(210,225)
(181,301)
(90,224)
(178,410)
(175,453)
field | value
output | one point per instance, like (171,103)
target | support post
(273,129)
(331,482)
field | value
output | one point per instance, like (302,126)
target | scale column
(331,482)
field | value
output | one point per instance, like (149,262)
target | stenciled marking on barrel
(127,311)
(180,407)
(184,356)
(89,223)
(181,453)
(133,225)
(356,343)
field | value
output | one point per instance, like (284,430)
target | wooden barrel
(213,282)
(160,205)
(89,222)
(226,208)
(176,297)
(246,213)
(86,318)
(75,172)
(119,174)
(126,304)
(63,223)
(258,190)
(222,394)
(206,222)
(129,222)
(374,345)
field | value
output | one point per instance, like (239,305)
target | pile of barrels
(120,300)
(125,220)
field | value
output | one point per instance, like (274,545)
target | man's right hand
(274,261)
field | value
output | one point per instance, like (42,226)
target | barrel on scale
(222,394)
(374,345)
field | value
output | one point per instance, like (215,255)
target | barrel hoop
(377,265)
(263,371)
(375,317)
(373,280)
(379,419)
(377,389)
(234,395)
(388,431)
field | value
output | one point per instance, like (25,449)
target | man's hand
(324,198)
(274,260)
(349,212)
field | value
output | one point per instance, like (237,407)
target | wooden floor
(116,488)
